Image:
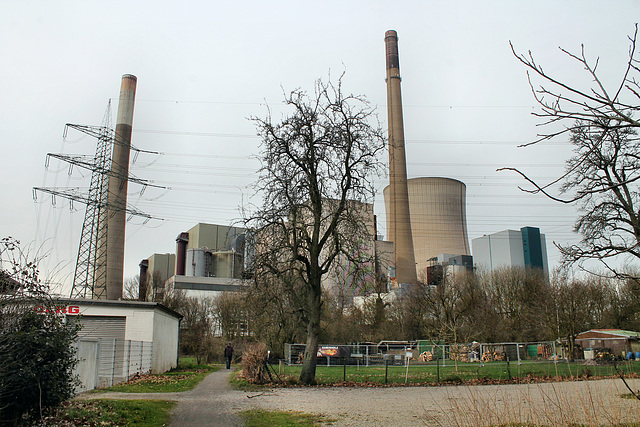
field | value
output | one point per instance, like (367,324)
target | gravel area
(592,403)
(589,402)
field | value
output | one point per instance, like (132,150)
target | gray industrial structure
(526,247)
(351,276)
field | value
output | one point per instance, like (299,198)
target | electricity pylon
(89,279)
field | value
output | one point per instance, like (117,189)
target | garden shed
(618,342)
(119,339)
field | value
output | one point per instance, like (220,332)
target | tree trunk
(308,373)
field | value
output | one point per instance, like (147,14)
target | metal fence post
(113,362)
(367,346)
(98,364)
(129,362)
(444,355)
(386,368)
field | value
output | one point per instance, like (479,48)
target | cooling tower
(438,218)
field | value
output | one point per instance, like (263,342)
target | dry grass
(596,403)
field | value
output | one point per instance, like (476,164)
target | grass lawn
(431,373)
(260,418)
(102,412)
(185,377)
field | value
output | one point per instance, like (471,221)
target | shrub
(254,364)
(37,353)
(36,366)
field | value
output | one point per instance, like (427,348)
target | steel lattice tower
(89,279)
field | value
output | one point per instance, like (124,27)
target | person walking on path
(228,354)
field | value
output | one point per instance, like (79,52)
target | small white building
(119,339)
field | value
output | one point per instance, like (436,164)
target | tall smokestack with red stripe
(118,184)
(399,221)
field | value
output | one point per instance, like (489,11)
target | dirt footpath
(211,403)
(588,402)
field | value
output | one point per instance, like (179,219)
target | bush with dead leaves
(254,364)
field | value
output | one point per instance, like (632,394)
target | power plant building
(162,266)
(526,247)
(437,209)
(209,260)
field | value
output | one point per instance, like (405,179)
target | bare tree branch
(601,178)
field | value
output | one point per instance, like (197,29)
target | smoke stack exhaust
(118,184)
(399,220)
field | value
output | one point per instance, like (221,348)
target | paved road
(211,403)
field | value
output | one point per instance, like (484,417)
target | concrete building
(161,266)
(205,287)
(526,247)
(447,265)
(438,218)
(214,237)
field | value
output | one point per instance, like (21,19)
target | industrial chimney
(399,220)
(181,253)
(118,184)
(143,280)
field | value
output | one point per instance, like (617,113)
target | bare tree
(601,178)
(276,309)
(317,165)
(450,307)
(197,326)
(580,304)
(231,315)
(570,105)
(131,289)
(520,299)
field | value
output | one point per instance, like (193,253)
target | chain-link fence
(365,354)
(423,352)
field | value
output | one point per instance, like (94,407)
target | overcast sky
(205,67)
